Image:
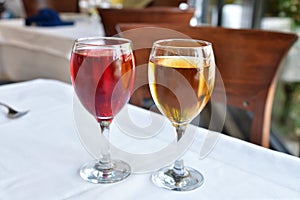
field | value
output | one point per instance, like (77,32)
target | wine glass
(181,79)
(102,74)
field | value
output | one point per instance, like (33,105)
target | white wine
(180,86)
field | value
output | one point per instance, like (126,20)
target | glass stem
(178,166)
(105,158)
(180,129)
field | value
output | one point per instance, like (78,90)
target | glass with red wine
(102,74)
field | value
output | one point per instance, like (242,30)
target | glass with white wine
(181,79)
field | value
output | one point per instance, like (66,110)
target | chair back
(249,62)
(111,17)
(164,3)
(32,6)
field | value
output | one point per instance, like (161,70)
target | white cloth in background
(42,52)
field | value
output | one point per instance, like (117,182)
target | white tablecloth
(41,52)
(40,155)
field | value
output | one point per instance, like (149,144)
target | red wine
(103,81)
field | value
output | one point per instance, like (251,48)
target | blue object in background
(46,17)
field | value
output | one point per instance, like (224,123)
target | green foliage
(286,110)
(271,8)
(290,8)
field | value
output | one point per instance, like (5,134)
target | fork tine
(12,113)
(16,114)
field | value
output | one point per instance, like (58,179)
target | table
(49,46)
(40,155)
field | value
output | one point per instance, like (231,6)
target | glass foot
(168,179)
(96,172)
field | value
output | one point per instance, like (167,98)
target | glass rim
(87,41)
(158,43)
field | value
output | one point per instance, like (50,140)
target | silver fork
(12,113)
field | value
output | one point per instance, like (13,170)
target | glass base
(97,172)
(168,179)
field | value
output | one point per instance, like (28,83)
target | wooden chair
(142,47)
(152,3)
(111,17)
(249,62)
(32,6)
(164,3)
